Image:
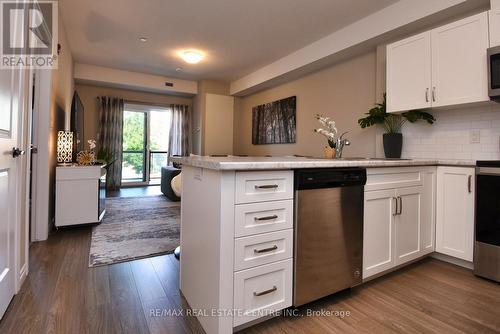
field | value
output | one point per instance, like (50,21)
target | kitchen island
(238,223)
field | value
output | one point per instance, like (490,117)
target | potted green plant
(393,138)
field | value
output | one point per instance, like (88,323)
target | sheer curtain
(178,143)
(111,137)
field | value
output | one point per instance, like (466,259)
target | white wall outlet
(475,136)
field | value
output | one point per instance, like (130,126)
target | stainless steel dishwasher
(328,231)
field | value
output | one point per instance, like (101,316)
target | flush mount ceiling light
(191,56)
(143,39)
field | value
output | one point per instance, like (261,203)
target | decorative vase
(329,152)
(393,145)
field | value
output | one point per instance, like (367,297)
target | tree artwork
(275,122)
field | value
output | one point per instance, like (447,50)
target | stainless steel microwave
(494,73)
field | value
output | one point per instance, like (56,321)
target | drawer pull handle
(266,218)
(265,250)
(267,186)
(257,294)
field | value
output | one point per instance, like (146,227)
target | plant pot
(329,152)
(393,145)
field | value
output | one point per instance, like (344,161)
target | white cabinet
(80,194)
(494,16)
(459,62)
(455,212)
(398,222)
(378,242)
(409,73)
(262,261)
(442,67)
(407,224)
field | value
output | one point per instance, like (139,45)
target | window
(145,143)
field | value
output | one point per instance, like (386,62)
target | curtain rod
(153,104)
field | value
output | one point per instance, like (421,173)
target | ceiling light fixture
(143,39)
(191,56)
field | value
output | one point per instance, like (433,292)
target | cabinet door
(455,212)
(428,220)
(378,241)
(407,224)
(459,62)
(494,14)
(409,73)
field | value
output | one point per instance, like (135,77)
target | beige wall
(219,111)
(88,94)
(344,92)
(199,111)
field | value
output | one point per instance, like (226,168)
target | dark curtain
(178,143)
(111,137)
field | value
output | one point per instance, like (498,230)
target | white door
(9,206)
(459,62)
(455,212)
(378,241)
(494,14)
(409,73)
(407,225)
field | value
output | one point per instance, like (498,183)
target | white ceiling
(238,36)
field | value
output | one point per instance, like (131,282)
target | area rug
(134,228)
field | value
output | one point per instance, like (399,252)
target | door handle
(400,205)
(469,184)
(433,94)
(427,95)
(265,250)
(274,288)
(266,218)
(395,211)
(17,152)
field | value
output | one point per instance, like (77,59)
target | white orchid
(91,144)
(331,130)
(328,122)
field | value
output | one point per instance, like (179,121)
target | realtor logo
(29,34)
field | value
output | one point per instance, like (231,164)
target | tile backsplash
(452,135)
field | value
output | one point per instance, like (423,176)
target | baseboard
(453,260)
(23,273)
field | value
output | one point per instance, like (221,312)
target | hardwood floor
(63,295)
(135,191)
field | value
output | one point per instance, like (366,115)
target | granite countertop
(292,162)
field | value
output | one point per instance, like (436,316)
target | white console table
(80,194)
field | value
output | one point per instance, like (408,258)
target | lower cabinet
(398,221)
(455,212)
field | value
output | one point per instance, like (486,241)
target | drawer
(393,177)
(261,249)
(262,217)
(264,186)
(260,291)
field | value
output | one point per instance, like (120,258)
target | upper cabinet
(459,62)
(494,14)
(442,67)
(409,73)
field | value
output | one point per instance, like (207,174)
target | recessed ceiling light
(191,56)
(143,39)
